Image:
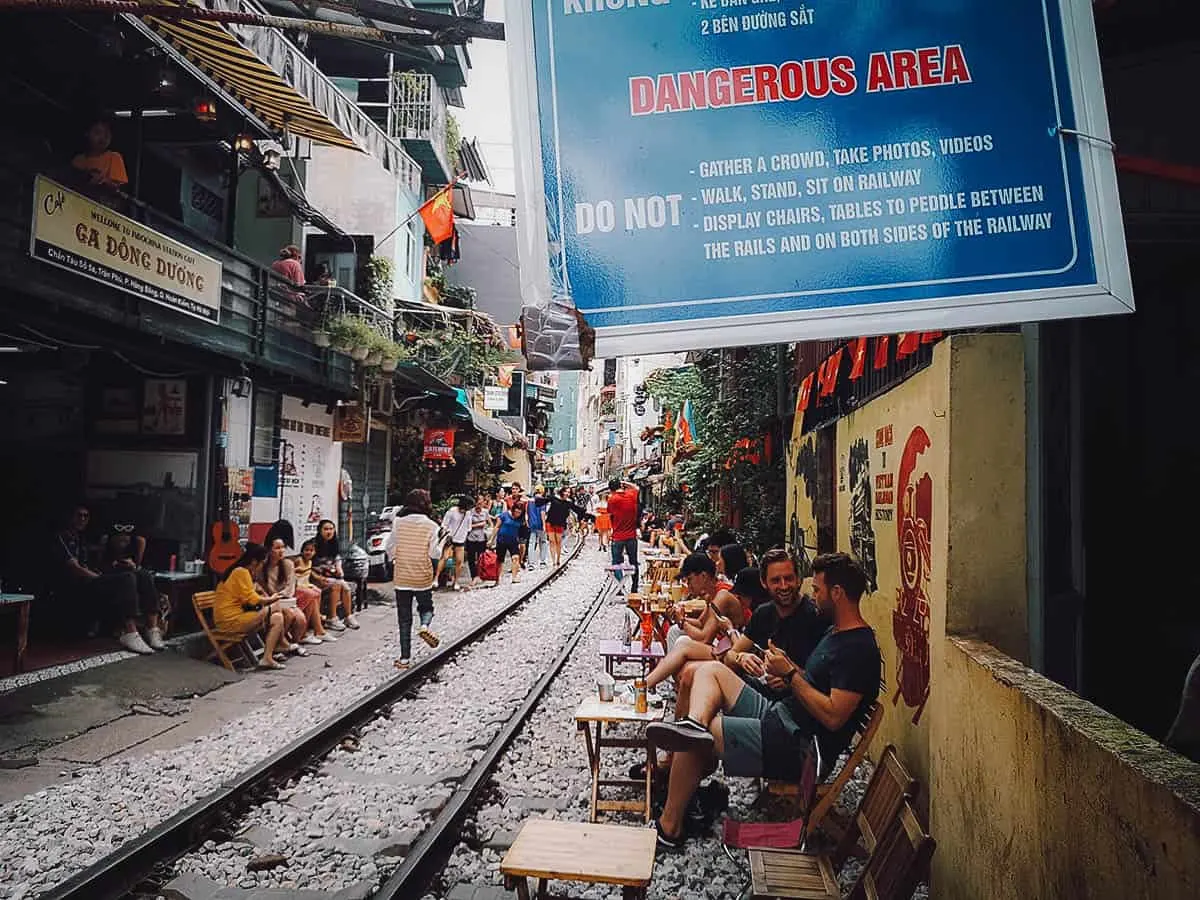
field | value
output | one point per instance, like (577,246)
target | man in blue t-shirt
(538,546)
(508,542)
(829,699)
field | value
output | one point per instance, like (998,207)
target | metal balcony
(418,121)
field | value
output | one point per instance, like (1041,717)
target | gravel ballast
(49,835)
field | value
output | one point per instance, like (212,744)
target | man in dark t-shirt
(753,736)
(791,621)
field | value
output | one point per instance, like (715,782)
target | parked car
(378,533)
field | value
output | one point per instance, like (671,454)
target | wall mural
(862,532)
(806,475)
(910,619)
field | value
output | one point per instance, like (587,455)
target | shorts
(457,544)
(555,529)
(742,728)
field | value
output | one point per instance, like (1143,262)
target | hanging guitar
(226,550)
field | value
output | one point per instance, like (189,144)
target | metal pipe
(186,11)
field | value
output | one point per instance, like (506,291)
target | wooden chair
(220,641)
(806,876)
(827,794)
(899,862)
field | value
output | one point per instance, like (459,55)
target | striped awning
(275,82)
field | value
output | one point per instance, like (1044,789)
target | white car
(378,551)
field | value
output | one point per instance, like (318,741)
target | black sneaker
(665,842)
(679,736)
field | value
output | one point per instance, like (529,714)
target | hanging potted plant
(392,354)
(351,335)
(321,337)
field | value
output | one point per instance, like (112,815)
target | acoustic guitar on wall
(226,549)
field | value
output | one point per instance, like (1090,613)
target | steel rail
(411,878)
(118,874)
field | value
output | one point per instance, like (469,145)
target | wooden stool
(571,851)
(20,603)
(793,874)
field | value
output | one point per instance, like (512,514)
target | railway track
(142,867)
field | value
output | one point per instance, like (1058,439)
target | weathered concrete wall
(986,588)
(1036,793)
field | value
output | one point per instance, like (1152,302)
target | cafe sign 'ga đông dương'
(81,235)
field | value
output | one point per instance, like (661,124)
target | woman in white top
(456,524)
(416,547)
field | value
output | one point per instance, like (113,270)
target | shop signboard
(495,397)
(725,172)
(75,233)
(439,443)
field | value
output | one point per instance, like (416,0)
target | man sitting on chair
(755,736)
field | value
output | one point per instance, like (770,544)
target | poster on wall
(164,406)
(715,173)
(241,492)
(349,424)
(309,464)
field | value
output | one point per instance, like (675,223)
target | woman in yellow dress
(238,608)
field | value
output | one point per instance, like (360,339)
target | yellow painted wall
(801,508)
(892,506)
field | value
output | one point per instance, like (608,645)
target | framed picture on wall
(164,406)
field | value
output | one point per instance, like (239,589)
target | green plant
(347,332)
(453,140)
(457,295)
(380,279)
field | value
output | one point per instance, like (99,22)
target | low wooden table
(613,652)
(19,602)
(593,712)
(571,851)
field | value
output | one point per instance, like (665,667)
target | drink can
(639,696)
(171,563)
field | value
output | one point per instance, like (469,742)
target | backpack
(487,568)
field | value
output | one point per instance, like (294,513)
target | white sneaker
(328,638)
(352,622)
(336,624)
(311,639)
(154,638)
(133,642)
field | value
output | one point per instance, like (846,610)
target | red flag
(438,214)
(832,366)
(804,393)
(907,343)
(881,351)
(928,337)
(859,355)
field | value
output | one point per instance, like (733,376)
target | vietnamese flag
(805,392)
(438,215)
(908,343)
(833,366)
(881,351)
(859,355)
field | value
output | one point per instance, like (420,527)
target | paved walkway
(140,704)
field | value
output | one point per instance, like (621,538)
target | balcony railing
(263,319)
(418,118)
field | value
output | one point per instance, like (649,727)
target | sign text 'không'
(81,235)
(725,172)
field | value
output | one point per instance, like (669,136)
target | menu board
(707,172)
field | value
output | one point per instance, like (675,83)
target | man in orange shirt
(106,167)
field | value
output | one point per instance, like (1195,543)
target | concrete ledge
(1035,792)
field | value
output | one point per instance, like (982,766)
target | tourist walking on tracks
(238,608)
(477,538)
(557,511)
(416,548)
(603,524)
(536,517)
(623,497)
(457,525)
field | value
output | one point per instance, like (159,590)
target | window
(264,429)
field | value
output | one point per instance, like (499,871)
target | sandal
(402,664)
(428,636)
(270,665)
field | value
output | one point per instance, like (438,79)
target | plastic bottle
(639,696)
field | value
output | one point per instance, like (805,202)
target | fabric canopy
(267,74)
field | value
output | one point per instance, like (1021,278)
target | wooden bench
(221,641)
(799,875)
(547,849)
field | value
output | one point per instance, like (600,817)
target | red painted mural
(910,619)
